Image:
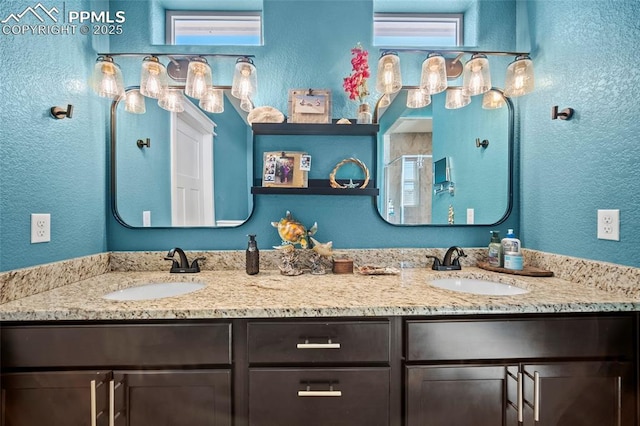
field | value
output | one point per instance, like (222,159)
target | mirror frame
(510,168)
(113,178)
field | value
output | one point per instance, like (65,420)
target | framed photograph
(285,169)
(309,106)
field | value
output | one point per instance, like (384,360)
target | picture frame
(285,169)
(309,106)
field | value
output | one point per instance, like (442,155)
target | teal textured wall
(585,54)
(47,165)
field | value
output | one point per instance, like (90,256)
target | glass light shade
(106,79)
(492,100)
(434,74)
(153,77)
(519,79)
(389,79)
(172,100)
(456,98)
(246,105)
(385,101)
(198,78)
(134,102)
(416,98)
(213,101)
(245,81)
(476,78)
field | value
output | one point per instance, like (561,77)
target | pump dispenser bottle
(253,256)
(495,250)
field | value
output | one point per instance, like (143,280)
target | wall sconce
(199,78)
(106,79)
(565,114)
(245,83)
(519,79)
(60,113)
(434,74)
(476,77)
(389,78)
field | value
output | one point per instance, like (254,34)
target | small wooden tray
(529,271)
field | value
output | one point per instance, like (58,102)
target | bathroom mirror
(187,169)
(439,164)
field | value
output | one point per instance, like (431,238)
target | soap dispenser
(253,256)
(495,250)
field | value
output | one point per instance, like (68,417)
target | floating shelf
(314,129)
(316,187)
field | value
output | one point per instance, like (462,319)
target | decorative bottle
(364,114)
(253,256)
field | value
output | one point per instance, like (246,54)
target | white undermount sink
(478,286)
(154,291)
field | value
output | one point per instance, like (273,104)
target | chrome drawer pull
(328,345)
(330,392)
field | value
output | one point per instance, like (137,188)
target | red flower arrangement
(356,84)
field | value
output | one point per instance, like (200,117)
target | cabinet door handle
(320,393)
(328,345)
(94,414)
(112,403)
(520,398)
(536,396)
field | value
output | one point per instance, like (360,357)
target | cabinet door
(55,398)
(579,394)
(172,397)
(461,395)
(319,397)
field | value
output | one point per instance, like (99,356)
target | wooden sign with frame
(309,106)
(285,169)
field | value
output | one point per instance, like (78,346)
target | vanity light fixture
(106,79)
(199,78)
(456,98)
(134,102)
(389,78)
(519,79)
(153,77)
(441,65)
(245,82)
(476,77)
(417,98)
(212,101)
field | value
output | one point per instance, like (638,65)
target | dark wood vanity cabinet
(318,373)
(536,371)
(117,374)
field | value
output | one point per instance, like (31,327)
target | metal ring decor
(332,176)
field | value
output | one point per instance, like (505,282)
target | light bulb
(198,78)
(153,78)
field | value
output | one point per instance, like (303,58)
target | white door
(192,168)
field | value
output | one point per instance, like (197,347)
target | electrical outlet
(470,216)
(40,228)
(146,218)
(609,225)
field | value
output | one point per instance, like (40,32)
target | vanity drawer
(319,397)
(116,345)
(556,337)
(318,342)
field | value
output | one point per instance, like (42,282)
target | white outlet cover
(40,228)
(609,225)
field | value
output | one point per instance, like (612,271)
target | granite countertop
(233,294)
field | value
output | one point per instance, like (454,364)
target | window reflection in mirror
(412,140)
(195,173)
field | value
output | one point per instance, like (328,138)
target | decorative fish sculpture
(293,232)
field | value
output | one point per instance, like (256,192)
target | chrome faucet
(448,264)
(182,266)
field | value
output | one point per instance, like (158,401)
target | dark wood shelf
(316,187)
(314,129)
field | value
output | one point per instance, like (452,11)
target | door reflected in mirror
(433,167)
(194,172)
